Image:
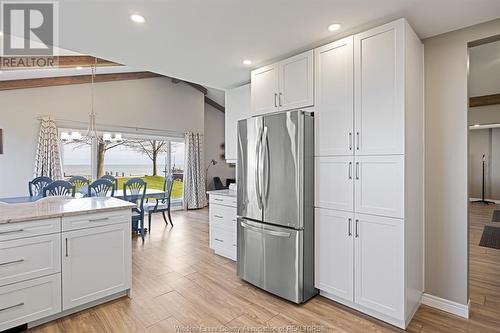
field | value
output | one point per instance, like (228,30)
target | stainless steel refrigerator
(275,189)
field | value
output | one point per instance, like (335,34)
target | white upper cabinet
(237,108)
(265,89)
(285,85)
(334,93)
(379,90)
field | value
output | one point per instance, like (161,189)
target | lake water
(115,169)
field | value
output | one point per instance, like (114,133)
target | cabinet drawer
(10,231)
(28,258)
(223,217)
(222,200)
(223,242)
(24,302)
(95,220)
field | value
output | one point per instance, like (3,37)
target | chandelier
(91,135)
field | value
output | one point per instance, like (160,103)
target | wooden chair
(37,185)
(59,188)
(101,188)
(112,179)
(134,190)
(161,205)
(81,184)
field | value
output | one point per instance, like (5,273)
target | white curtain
(194,175)
(48,156)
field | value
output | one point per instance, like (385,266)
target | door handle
(349,227)
(263,170)
(357,170)
(265,231)
(357,140)
(280,99)
(357,228)
(350,141)
(257,169)
(350,170)
(275,97)
(66,241)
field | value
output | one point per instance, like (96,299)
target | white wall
(446,255)
(154,103)
(214,137)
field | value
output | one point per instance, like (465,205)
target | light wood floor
(179,282)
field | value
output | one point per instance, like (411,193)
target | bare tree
(102,148)
(151,148)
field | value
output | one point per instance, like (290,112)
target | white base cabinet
(222,221)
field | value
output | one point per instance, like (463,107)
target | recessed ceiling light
(79,68)
(137,18)
(247,62)
(334,27)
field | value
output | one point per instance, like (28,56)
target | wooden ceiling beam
(484,100)
(62,62)
(196,86)
(77,79)
(214,104)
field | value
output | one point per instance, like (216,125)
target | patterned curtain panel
(194,175)
(48,156)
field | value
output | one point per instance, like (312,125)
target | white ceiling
(205,41)
(484,69)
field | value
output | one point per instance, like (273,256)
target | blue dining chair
(101,188)
(134,190)
(36,186)
(111,179)
(59,188)
(163,204)
(81,184)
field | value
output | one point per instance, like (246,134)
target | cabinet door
(96,263)
(334,252)
(334,104)
(264,89)
(237,107)
(379,90)
(296,82)
(379,185)
(379,264)
(334,183)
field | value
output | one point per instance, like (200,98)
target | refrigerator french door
(275,203)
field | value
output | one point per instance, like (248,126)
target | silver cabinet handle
(357,170)
(275,97)
(12,306)
(219,240)
(357,228)
(349,227)
(350,170)
(99,220)
(11,262)
(11,231)
(280,99)
(218,199)
(266,231)
(66,241)
(357,140)
(219,216)
(350,140)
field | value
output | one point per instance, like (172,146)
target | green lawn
(156,182)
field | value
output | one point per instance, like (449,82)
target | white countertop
(226,193)
(54,207)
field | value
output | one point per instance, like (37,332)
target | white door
(334,243)
(379,185)
(379,264)
(334,104)
(334,183)
(264,89)
(379,90)
(96,263)
(237,107)
(296,82)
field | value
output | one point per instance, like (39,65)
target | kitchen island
(59,256)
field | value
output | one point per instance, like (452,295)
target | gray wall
(446,195)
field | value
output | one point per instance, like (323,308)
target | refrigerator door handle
(257,169)
(265,231)
(265,166)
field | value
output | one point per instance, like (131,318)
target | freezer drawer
(271,258)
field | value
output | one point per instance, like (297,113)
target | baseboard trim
(446,305)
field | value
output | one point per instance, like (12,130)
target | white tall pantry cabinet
(369,171)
